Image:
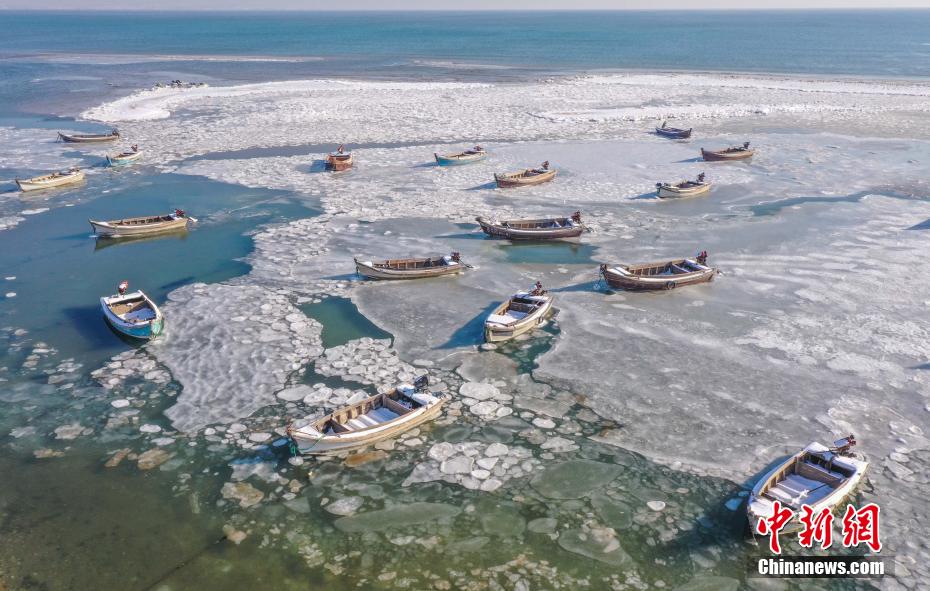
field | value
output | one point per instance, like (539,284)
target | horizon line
(461,10)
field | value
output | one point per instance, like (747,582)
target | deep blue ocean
(54,62)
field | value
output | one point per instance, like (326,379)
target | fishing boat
(467,157)
(660,275)
(142,226)
(733,153)
(673,132)
(683,188)
(48,181)
(89,138)
(525,178)
(534,229)
(520,314)
(339,160)
(132,314)
(123,158)
(817,476)
(376,418)
(411,268)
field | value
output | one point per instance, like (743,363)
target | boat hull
(334,164)
(35,184)
(711,156)
(116,161)
(830,501)
(111,230)
(344,442)
(87,139)
(500,231)
(510,181)
(617,279)
(367,269)
(672,192)
(145,330)
(458,159)
(675,134)
(496,333)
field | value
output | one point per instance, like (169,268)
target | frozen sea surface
(646,414)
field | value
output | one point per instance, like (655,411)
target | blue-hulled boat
(467,157)
(133,314)
(124,158)
(673,132)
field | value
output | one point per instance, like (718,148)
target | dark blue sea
(125,49)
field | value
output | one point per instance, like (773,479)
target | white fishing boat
(520,314)
(89,138)
(413,268)
(683,188)
(818,476)
(374,419)
(133,314)
(50,181)
(475,154)
(142,226)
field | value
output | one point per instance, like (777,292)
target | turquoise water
(61,271)
(342,322)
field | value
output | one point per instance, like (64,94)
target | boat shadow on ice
(483,186)
(470,333)
(476,235)
(689,160)
(317,165)
(924,225)
(88,160)
(344,277)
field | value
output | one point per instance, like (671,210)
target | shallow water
(59,281)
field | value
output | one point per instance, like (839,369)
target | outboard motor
(421,383)
(122,287)
(842,446)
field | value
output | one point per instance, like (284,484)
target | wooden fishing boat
(48,181)
(520,314)
(411,268)
(132,314)
(535,229)
(467,157)
(818,476)
(125,158)
(733,153)
(525,178)
(371,420)
(141,226)
(339,160)
(659,275)
(683,188)
(673,132)
(89,138)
